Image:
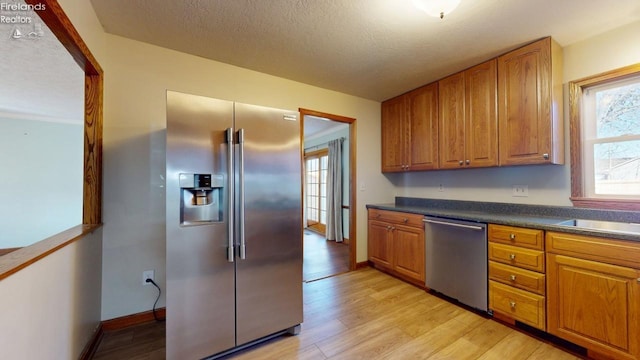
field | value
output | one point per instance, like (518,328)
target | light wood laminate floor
(323,258)
(367,314)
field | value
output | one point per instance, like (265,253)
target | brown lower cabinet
(517,274)
(593,293)
(396,243)
(583,289)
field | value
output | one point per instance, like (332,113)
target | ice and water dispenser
(200,198)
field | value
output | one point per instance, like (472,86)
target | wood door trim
(352,173)
(58,22)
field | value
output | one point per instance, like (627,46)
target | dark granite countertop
(529,216)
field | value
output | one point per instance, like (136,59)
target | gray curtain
(334,191)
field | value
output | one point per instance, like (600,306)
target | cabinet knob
(388,227)
(512,256)
(460,162)
(393,228)
(467,161)
(405,220)
(512,304)
(545,156)
(512,236)
(512,277)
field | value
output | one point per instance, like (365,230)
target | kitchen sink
(601,225)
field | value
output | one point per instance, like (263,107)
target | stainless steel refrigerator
(233,225)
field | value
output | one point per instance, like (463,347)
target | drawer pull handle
(512,236)
(512,304)
(512,277)
(512,256)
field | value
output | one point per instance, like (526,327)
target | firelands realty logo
(19,14)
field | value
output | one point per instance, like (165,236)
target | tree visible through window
(611,139)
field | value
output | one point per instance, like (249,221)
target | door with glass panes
(316,163)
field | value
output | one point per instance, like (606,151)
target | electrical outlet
(147,274)
(520,190)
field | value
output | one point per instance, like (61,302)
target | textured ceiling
(40,80)
(315,127)
(375,49)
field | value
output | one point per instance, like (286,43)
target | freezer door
(200,279)
(269,278)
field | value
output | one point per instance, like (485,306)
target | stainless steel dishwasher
(456,260)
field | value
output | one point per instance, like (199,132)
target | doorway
(322,257)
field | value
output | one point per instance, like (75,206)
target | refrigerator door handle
(243,248)
(230,196)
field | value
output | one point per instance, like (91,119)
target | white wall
(51,308)
(611,50)
(138,76)
(42,177)
(548,184)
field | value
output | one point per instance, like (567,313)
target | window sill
(23,257)
(610,204)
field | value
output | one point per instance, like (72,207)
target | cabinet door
(379,244)
(451,121)
(595,305)
(409,253)
(481,115)
(527,121)
(423,134)
(394,134)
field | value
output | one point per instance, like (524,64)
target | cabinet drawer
(517,256)
(529,238)
(520,278)
(611,251)
(396,217)
(520,305)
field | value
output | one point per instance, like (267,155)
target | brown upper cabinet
(395,134)
(468,121)
(505,111)
(530,112)
(410,131)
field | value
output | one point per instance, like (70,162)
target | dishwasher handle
(446,223)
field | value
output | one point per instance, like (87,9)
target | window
(605,140)
(316,164)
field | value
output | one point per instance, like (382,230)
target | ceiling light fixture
(436,8)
